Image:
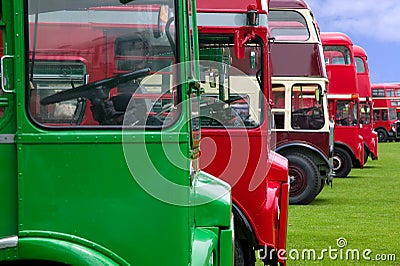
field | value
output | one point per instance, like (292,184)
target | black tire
(341,163)
(244,253)
(366,155)
(382,135)
(305,179)
(322,186)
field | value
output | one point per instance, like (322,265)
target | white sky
(379,20)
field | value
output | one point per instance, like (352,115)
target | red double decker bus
(366,114)
(236,124)
(344,102)
(300,110)
(386,99)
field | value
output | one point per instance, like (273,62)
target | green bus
(99,137)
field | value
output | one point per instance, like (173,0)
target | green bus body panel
(210,213)
(8,157)
(226,244)
(62,251)
(8,190)
(89,192)
(70,194)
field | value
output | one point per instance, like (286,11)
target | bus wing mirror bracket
(242,36)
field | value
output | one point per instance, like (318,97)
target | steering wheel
(94,90)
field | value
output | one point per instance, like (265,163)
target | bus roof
(359,51)
(293,4)
(385,86)
(335,38)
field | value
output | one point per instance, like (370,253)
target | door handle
(2,73)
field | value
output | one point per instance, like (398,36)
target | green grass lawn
(362,208)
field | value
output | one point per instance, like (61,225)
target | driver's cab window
(232,95)
(95,62)
(365,109)
(346,113)
(307,108)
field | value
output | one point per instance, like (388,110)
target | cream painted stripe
(333,96)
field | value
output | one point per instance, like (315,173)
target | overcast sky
(374,25)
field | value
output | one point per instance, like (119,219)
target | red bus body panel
(343,86)
(364,90)
(305,60)
(242,156)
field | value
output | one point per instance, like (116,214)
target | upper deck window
(288,26)
(337,55)
(389,92)
(360,67)
(378,92)
(93,62)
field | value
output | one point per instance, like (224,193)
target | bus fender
(57,250)
(306,146)
(205,244)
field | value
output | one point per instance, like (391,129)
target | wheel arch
(347,149)
(366,148)
(246,230)
(64,251)
(306,149)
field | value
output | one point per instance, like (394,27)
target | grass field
(360,214)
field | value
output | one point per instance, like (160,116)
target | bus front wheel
(305,179)
(341,163)
(382,135)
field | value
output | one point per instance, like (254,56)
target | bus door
(8,180)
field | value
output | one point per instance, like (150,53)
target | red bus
(344,102)
(386,99)
(366,115)
(236,124)
(300,110)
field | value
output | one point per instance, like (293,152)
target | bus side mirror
(162,19)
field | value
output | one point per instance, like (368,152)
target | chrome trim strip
(6,138)
(8,242)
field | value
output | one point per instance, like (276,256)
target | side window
(288,26)
(307,109)
(377,116)
(337,55)
(233,87)
(389,92)
(359,65)
(278,110)
(104,70)
(384,115)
